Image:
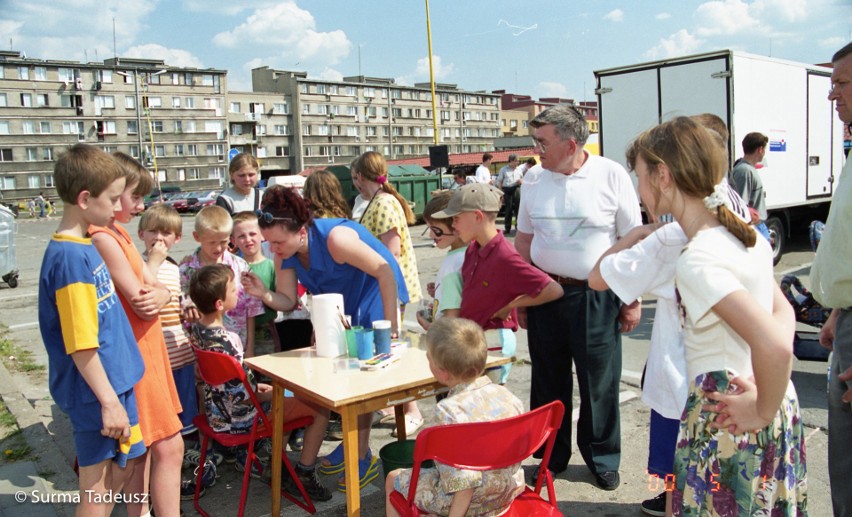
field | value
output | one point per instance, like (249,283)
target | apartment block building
(332,122)
(170,118)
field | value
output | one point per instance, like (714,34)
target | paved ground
(47,431)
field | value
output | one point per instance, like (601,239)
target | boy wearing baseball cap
(495,279)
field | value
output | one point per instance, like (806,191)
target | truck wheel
(776,237)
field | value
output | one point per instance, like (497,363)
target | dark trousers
(511,201)
(580,327)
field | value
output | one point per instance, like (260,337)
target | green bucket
(397,455)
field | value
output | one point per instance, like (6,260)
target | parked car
(180,201)
(200,200)
(154,197)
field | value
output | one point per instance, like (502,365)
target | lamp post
(136,77)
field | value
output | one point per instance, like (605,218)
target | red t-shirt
(492,276)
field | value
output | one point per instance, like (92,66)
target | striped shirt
(177,340)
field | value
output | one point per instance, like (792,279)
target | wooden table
(339,385)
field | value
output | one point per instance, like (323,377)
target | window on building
(28,127)
(47,154)
(44,127)
(179,150)
(159,150)
(48,181)
(352,110)
(3,100)
(42,100)
(178,126)
(176,102)
(189,127)
(106,127)
(306,108)
(157,126)
(207,80)
(6,156)
(24,73)
(192,149)
(281,129)
(40,73)
(4,127)
(31,154)
(189,102)
(192,173)
(134,151)
(105,76)
(352,131)
(217,173)
(65,74)
(234,107)
(321,88)
(306,130)
(132,127)
(152,78)
(7,182)
(281,108)
(369,92)
(130,102)
(33,181)
(323,130)
(27,100)
(351,91)
(282,150)
(260,130)
(187,78)
(175,78)
(152,102)
(236,129)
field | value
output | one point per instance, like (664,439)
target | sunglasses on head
(267,218)
(437,231)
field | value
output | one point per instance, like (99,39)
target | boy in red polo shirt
(495,279)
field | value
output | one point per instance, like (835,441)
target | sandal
(412,425)
(333,463)
(368,470)
(387,419)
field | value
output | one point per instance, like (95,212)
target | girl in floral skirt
(741,448)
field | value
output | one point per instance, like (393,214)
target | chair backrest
(499,443)
(218,368)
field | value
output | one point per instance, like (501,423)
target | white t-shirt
(713,265)
(648,267)
(575,219)
(509,177)
(483,175)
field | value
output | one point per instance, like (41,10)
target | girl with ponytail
(741,445)
(387,216)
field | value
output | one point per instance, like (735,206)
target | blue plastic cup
(366,347)
(382,336)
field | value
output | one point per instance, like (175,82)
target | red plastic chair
(218,368)
(504,443)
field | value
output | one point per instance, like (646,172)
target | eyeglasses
(437,231)
(267,218)
(540,145)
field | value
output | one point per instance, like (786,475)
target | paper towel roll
(325,316)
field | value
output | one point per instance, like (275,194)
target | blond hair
(213,219)
(696,162)
(161,217)
(84,168)
(457,345)
(373,167)
(323,191)
(135,173)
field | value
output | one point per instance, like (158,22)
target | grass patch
(17,358)
(13,445)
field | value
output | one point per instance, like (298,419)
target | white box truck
(785,101)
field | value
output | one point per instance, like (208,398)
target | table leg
(350,453)
(399,410)
(277,443)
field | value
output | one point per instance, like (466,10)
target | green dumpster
(413,182)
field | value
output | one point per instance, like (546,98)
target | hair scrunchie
(717,198)
(381,180)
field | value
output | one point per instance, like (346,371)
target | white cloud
(834,42)
(291,32)
(788,10)
(725,17)
(57,30)
(330,74)
(616,15)
(678,44)
(663,16)
(551,89)
(421,71)
(171,56)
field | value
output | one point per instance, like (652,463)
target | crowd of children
(120,326)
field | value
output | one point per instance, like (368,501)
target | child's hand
(253,285)
(503,314)
(191,314)
(430,288)
(146,303)
(737,409)
(423,321)
(115,421)
(158,253)
(262,387)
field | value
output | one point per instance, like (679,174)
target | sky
(542,48)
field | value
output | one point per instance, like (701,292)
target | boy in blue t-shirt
(93,358)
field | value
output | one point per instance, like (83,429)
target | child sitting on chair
(213,289)
(457,352)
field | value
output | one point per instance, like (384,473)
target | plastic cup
(382,331)
(352,341)
(364,339)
